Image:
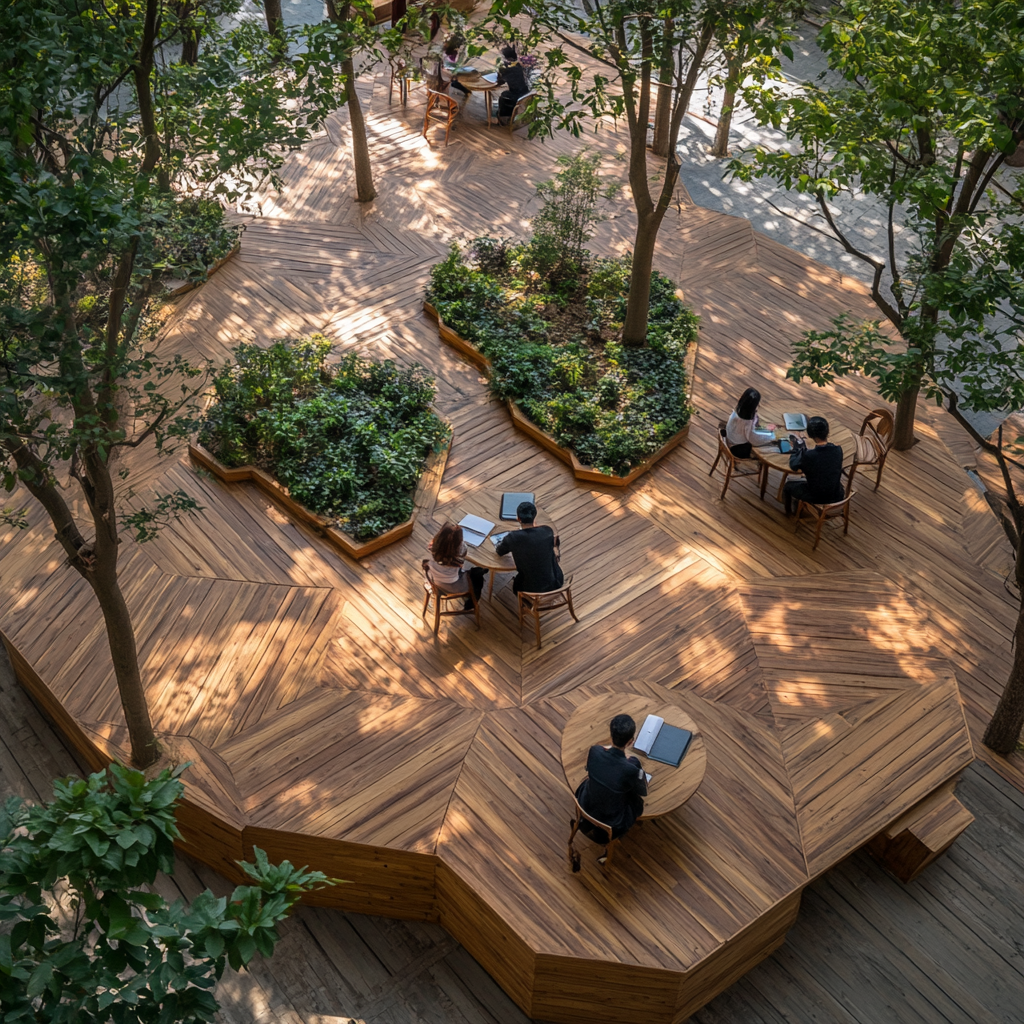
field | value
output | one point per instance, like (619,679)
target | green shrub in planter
(349,441)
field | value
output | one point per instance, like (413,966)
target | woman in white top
(445,565)
(741,432)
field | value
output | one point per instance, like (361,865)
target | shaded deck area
(325,722)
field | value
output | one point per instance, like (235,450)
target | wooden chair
(733,466)
(574,825)
(547,601)
(442,108)
(873,443)
(515,118)
(823,512)
(442,599)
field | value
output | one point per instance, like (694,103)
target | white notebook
(475,529)
(648,733)
(795,420)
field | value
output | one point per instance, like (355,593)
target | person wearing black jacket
(512,74)
(821,465)
(615,786)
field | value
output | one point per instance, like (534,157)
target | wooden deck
(327,725)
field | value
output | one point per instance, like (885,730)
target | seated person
(741,432)
(821,465)
(512,74)
(451,61)
(445,565)
(533,549)
(615,786)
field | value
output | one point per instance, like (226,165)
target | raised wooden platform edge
(188,286)
(431,476)
(588,474)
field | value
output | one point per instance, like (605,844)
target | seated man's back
(614,789)
(533,550)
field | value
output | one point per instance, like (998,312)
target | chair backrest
(589,817)
(834,507)
(521,104)
(441,100)
(723,444)
(539,596)
(880,424)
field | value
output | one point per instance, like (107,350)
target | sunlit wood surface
(326,724)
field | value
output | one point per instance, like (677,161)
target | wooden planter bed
(429,483)
(187,286)
(582,472)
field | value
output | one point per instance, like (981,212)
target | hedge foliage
(349,441)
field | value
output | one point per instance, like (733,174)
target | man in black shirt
(512,74)
(613,791)
(821,465)
(533,549)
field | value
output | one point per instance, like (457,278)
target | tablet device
(510,501)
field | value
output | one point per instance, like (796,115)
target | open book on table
(661,741)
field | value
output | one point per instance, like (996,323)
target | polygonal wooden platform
(325,722)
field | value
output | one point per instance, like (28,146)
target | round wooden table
(474,81)
(771,458)
(669,787)
(484,554)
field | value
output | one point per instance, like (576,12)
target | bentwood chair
(873,443)
(536,604)
(516,117)
(733,466)
(574,825)
(441,108)
(442,600)
(819,513)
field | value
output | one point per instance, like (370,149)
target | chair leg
(520,603)
(799,513)
(476,607)
(426,601)
(763,479)
(846,519)
(568,601)
(881,463)
(725,486)
(714,465)
(426,119)
(490,586)
(437,613)
(817,532)
(536,624)
(849,479)
(782,485)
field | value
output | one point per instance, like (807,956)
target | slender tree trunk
(720,147)
(275,25)
(634,328)
(365,192)
(125,656)
(906,410)
(190,33)
(142,72)
(663,111)
(1003,732)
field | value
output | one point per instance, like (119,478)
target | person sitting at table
(821,465)
(615,786)
(451,60)
(512,74)
(445,565)
(534,550)
(741,431)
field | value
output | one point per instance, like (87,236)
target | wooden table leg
(487,98)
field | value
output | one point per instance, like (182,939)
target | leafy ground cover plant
(349,441)
(549,315)
(84,938)
(192,237)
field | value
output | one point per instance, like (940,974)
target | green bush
(192,237)
(558,355)
(350,442)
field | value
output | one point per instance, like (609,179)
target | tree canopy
(923,105)
(86,940)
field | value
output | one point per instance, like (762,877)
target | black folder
(510,501)
(671,744)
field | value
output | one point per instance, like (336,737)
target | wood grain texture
(835,690)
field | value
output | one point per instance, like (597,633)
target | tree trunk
(1003,732)
(275,24)
(720,147)
(663,111)
(906,410)
(125,656)
(634,328)
(365,192)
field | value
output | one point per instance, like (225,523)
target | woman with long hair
(445,565)
(741,432)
